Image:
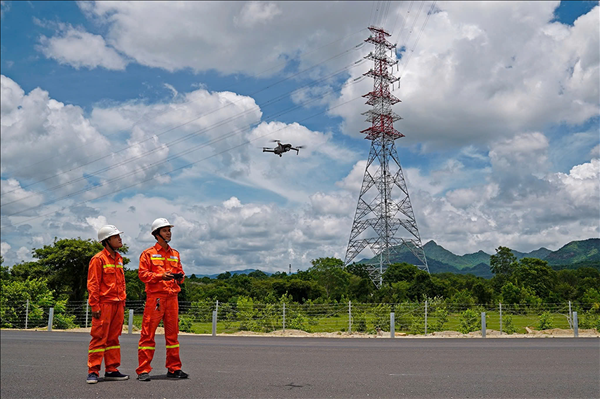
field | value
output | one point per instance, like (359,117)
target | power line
(181,167)
(175,156)
(155,115)
(418,37)
(185,123)
(188,136)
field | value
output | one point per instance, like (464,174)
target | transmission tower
(384,219)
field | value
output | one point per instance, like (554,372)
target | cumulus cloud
(484,70)
(178,37)
(80,49)
(522,205)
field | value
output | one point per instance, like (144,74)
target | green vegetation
(318,299)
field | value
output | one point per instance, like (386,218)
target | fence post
(26,313)
(483,325)
(500,318)
(426,317)
(284,317)
(214,324)
(50,318)
(392,325)
(217,307)
(570,318)
(349,317)
(575,325)
(130,321)
(87,308)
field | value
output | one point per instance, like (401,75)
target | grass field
(403,324)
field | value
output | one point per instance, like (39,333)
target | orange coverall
(106,289)
(161,304)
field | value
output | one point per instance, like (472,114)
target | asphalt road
(53,365)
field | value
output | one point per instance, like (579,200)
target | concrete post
(130,321)
(575,324)
(50,318)
(26,313)
(214,324)
(349,317)
(500,318)
(425,317)
(284,317)
(483,325)
(392,325)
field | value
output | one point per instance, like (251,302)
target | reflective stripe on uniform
(95,350)
(146,348)
(173,259)
(114,347)
(172,346)
(117,266)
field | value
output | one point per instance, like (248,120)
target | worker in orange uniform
(161,271)
(106,289)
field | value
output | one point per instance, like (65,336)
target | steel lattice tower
(384,219)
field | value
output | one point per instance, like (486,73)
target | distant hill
(575,254)
(233,272)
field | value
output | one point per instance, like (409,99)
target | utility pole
(384,220)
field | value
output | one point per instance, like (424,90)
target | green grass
(340,323)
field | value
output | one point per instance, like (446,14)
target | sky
(123,112)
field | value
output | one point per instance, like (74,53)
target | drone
(281,148)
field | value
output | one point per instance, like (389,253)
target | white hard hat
(160,222)
(107,231)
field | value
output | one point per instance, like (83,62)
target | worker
(161,271)
(106,289)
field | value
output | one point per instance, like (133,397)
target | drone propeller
(300,146)
(276,141)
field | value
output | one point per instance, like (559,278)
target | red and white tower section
(384,220)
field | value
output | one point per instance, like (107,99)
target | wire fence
(206,317)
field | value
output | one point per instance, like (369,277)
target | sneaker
(144,377)
(177,374)
(92,378)
(115,376)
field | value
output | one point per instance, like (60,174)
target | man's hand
(168,276)
(96,315)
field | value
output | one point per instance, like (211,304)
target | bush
(185,324)
(359,321)
(590,320)
(440,317)
(469,321)
(417,325)
(507,325)
(545,321)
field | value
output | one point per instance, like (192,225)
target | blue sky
(124,112)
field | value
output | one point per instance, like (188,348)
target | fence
(410,318)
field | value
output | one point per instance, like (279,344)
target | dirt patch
(531,333)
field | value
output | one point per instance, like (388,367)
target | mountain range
(585,253)
(573,255)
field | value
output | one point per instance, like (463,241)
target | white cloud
(175,37)
(254,13)
(81,49)
(484,70)
(4,248)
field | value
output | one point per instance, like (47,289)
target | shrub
(468,321)
(185,324)
(545,322)
(507,325)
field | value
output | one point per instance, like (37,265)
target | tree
(503,262)
(400,272)
(330,273)
(536,275)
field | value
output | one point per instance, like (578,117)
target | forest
(62,269)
